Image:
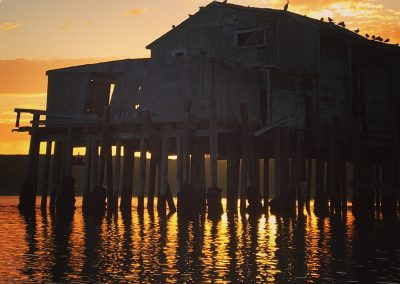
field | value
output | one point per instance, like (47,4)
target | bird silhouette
(330,20)
(173,26)
(357,31)
(342,24)
(379,39)
(387,40)
(373,37)
(224,1)
(396,44)
(367,35)
(322,19)
(286,6)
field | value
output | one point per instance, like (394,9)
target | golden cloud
(5,27)
(66,25)
(135,11)
(370,16)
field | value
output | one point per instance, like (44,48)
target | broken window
(250,38)
(99,94)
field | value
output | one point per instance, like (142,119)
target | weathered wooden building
(241,84)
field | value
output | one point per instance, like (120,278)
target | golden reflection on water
(236,248)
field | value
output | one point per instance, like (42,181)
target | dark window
(179,54)
(250,38)
(99,92)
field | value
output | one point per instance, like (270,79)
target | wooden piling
(93,165)
(88,177)
(186,144)
(46,175)
(164,177)
(309,181)
(344,189)
(68,153)
(56,174)
(232,178)
(142,174)
(278,161)
(117,174)
(152,183)
(156,142)
(27,198)
(266,182)
(127,182)
(285,140)
(110,178)
(179,168)
(243,185)
(213,152)
(331,177)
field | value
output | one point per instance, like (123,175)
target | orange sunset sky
(37,35)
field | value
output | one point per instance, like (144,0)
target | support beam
(213,153)
(164,176)
(56,175)
(232,179)
(266,182)
(152,183)
(68,153)
(142,174)
(117,175)
(179,168)
(127,183)
(46,175)
(155,142)
(88,178)
(27,197)
(94,158)
(110,178)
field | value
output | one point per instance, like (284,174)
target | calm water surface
(146,248)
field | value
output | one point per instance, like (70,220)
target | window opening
(250,38)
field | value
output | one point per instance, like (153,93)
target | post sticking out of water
(164,177)
(142,174)
(46,176)
(117,175)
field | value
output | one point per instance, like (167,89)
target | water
(146,248)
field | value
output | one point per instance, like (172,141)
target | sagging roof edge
(79,67)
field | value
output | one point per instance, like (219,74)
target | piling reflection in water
(146,248)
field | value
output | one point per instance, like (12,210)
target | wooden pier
(318,108)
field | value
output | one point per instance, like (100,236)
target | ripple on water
(145,248)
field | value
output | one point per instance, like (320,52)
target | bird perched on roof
(379,39)
(367,35)
(224,1)
(173,26)
(342,24)
(396,44)
(322,19)
(373,37)
(330,20)
(357,31)
(387,40)
(286,6)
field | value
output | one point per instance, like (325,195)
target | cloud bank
(5,27)
(135,11)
